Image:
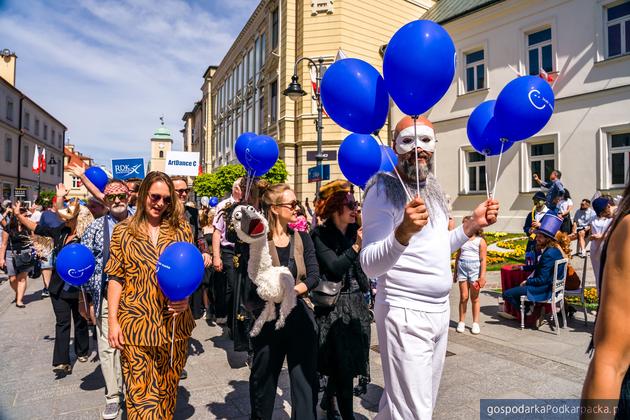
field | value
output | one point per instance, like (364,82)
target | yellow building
(244,93)
(72,157)
(161,144)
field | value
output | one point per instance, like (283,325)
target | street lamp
(294,91)
(51,161)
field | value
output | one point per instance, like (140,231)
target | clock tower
(161,143)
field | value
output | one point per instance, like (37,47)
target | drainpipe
(19,144)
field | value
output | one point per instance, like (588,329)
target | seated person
(538,287)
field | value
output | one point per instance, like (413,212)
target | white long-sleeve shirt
(417,276)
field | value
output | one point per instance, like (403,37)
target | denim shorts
(48,263)
(468,270)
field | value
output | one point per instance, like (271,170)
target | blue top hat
(549,225)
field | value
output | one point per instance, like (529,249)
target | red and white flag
(42,160)
(545,76)
(35,167)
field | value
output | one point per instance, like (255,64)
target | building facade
(75,187)
(244,93)
(585,47)
(25,126)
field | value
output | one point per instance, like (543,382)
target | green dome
(162,133)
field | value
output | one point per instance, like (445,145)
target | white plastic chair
(580,292)
(557,295)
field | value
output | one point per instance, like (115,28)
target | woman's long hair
(271,197)
(173,215)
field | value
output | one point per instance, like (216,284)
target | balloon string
(415,136)
(395,169)
(173,338)
(487,185)
(496,177)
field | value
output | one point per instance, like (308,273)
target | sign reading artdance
(128,168)
(182,163)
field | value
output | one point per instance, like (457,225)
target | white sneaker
(475,328)
(461,327)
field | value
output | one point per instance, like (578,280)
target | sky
(108,69)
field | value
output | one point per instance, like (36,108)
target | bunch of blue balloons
(523,108)
(418,68)
(256,153)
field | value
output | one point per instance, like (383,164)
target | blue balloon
(524,107)
(180,270)
(240,147)
(359,158)
(75,264)
(386,163)
(483,132)
(419,65)
(213,201)
(97,176)
(261,154)
(354,96)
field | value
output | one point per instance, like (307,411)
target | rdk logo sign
(128,170)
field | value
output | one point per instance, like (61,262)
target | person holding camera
(16,254)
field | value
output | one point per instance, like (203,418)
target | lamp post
(294,91)
(51,161)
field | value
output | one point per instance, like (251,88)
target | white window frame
(8,140)
(539,46)
(604,149)
(526,159)
(523,67)
(464,164)
(27,121)
(10,109)
(622,25)
(468,48)
(475,67)
(75,182)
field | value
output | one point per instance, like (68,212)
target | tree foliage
(45,197)
(219,183)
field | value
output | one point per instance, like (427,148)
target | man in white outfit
(407,246)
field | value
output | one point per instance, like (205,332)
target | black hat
(539,196)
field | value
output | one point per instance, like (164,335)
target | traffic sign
(319,173)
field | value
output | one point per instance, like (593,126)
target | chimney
(7,65)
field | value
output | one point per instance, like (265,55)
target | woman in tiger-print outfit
(141,317)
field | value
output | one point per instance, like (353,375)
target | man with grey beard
(96,238)
(408,247)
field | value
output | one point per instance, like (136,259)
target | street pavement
(501,362)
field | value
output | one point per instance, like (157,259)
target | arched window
(161,153)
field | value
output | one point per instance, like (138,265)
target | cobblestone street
(502,362)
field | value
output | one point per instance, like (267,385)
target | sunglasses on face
(155,198)
(291,205)
(182,191)
(352,205)
(112,197)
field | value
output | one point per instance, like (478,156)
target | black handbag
(23,261)
(36,271)
(326,293)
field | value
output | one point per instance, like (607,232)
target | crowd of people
(387,260)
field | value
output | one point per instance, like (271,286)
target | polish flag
(545,76)
(42,160)
(35,167)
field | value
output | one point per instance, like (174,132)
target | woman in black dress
(344,330)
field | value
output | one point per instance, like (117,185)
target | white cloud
(109,68)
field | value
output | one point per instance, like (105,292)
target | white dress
(598,227)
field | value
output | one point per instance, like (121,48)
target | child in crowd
(599,226)
(470,271)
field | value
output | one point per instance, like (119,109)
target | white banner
(182,163)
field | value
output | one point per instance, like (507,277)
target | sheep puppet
(273,284)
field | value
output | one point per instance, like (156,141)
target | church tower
(161,143)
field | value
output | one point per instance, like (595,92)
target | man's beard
(118,211)
(430,190)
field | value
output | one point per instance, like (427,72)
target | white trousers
(413,347)
(109,357)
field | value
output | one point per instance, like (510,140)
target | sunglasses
(352,205)
(112,197)
(183,191)
(293,204)
(155,198)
